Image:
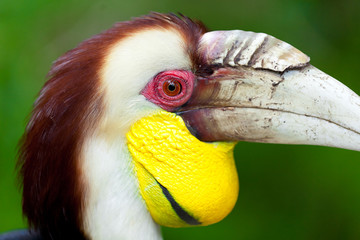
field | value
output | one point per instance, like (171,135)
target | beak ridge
(255,50)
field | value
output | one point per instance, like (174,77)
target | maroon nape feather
(67,110)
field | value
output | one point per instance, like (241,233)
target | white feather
(114,208)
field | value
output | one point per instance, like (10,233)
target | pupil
(171,87)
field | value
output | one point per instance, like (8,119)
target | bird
(135,127)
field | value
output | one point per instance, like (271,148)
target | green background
(286,192)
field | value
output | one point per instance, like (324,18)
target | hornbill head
(137,125)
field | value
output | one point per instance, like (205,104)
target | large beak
(264,90)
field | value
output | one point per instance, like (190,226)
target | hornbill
(136,127)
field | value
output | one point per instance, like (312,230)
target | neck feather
(114,208)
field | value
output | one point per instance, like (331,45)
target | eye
(170,89)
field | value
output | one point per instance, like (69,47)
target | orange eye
(172,87)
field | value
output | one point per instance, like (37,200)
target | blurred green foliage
(287,192)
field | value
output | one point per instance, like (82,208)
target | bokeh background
(286,192)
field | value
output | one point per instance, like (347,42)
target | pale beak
(263,90)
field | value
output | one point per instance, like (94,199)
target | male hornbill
(136,126)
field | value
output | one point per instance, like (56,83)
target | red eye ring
(170,89)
